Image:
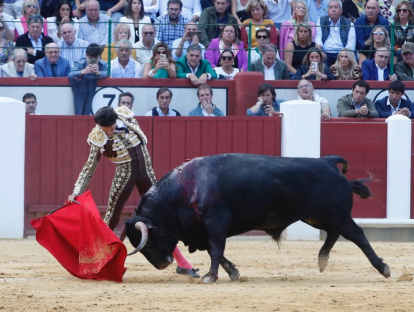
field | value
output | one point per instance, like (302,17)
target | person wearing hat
(405,68)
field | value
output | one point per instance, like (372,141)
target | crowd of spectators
(200,40)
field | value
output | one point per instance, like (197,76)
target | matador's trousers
(137,173)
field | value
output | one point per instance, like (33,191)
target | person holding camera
(84,77)
(161,64)
(266,104)
(191,36)
(313,68)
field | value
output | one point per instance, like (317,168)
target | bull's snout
(164,265)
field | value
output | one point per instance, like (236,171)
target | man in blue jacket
(394,103)
(379,67)
(52,65)
(366,23)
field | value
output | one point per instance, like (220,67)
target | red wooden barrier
(364,145)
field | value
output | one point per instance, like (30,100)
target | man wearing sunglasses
(191,36)
(366,23)
(147,43)
(262,38)
(34,41)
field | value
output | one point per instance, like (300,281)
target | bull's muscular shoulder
(124,112)
(97,137)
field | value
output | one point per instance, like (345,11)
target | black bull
(206,200)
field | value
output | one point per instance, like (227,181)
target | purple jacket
(213,54)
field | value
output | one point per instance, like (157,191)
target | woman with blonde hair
(122,31)
(257,10)
(29,8)
(287,29)
(161,64)
(346,67)
(379,38)
(296,49)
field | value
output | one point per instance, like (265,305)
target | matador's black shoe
(189,272)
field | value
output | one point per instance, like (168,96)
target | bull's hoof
(387,271)
(208,279)
(234,275)
(323,263)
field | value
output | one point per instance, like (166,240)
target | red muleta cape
(82,243)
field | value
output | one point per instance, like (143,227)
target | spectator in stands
(52,65)
(164,97)
(394,103)
(205,106)
(287,30)
(387,9)
(124,66)
(365,24)
(356,104)
(161,64)
(334,32)
(122,31)
(305,92)
(113,9)
(257,11)
(84,77)
(295,50)
(212,20)
(93,28)
(31,103)
(266,104)
(34,40)
(126,99)
(194,68)
(280,11)
(30,7)
(404,24)
(378,68)
(313,68)
(63,14)
(171,26)
(8,32)
(226,70)
(227,40)
(271,67)
(144,48)
(346,67)
(18,67)
(405,69)
(12,9)
(6,46)
(191,9)
(191,36)
(71,48)
(238,10)
(352,9)
(379,38)
(151,8)
(317,9)
(135,18)
(262,38)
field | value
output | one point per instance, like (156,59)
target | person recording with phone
(191,36)
(84,77)
(313,68)
(161,64)
(266,103)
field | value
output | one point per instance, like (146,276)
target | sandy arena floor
(272,279)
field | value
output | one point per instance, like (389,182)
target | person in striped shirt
(71,48)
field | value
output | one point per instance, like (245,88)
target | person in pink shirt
(29,8)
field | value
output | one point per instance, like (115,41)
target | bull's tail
(335,160)
(359,187)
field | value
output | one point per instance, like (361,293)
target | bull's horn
(142,227)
